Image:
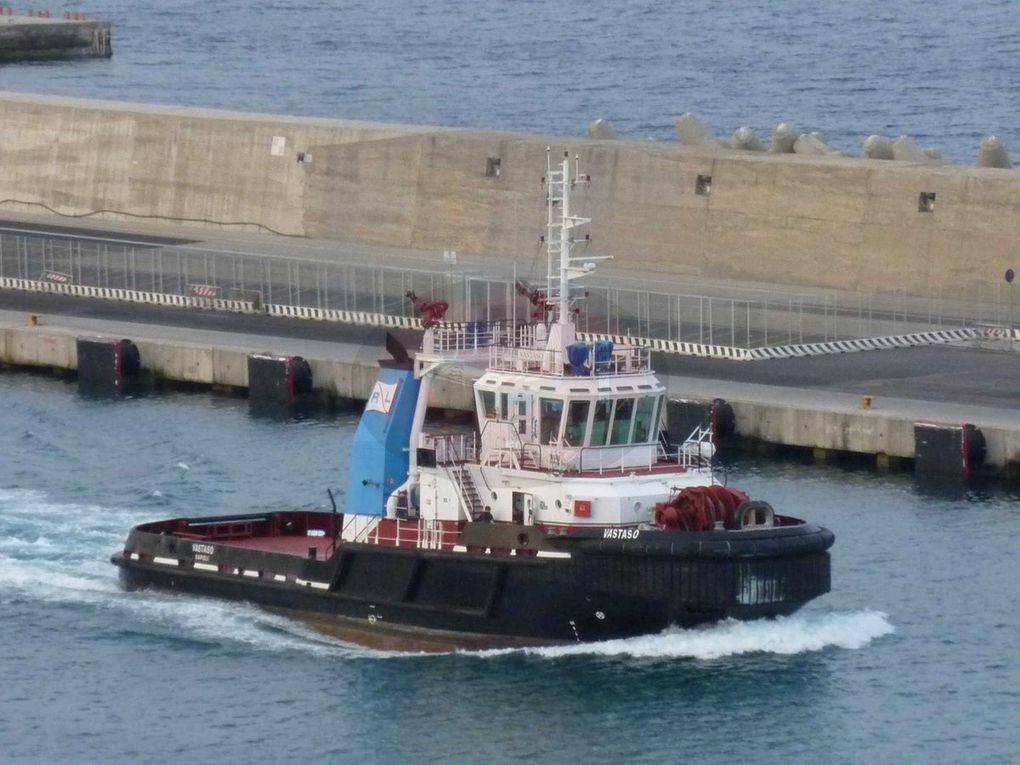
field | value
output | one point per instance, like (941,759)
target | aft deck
(294,532)
(311,535)
(299,546)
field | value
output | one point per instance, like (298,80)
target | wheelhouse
(582,422)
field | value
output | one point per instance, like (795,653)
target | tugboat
(564,516)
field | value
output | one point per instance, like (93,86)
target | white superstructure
(568,434)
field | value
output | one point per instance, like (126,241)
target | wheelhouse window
(550,414)
(644,420)
(621,421)
(577,422)
(600,422)
(489,410)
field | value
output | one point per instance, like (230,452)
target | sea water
(943,72)
(910,658)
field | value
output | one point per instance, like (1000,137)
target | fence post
(319,268)
(711,324)
(267,282)
(835,316)
(800,318)
(701,319)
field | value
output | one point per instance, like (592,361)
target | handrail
(654,457)
(468,451)
(546,362)
(513,429)
(458,485)
(693,449)
(448,455)
(361,534)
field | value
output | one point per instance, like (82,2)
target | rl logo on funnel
(382,397)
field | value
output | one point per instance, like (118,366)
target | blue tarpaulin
(603,356)
(577,356)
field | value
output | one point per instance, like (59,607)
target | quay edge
(838,425)
(30,38)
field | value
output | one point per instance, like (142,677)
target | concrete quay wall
(862,432)
(33,38)
(213,365)
(859,432)
(825,221)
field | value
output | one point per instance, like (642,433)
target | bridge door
(523,512)
(520,415)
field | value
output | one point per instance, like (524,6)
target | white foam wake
(58,553)
(789,635)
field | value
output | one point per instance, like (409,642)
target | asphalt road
(961,375)
(81,232)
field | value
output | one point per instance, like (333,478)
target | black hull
(410,598)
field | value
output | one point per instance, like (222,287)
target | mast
(562,265)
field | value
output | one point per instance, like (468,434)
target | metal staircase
(473,504)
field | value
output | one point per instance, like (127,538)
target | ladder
(467,491)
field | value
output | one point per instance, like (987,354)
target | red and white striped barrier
(203,291)
(56,277)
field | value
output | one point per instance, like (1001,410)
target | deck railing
(452,447)
(699,448)
(624,360)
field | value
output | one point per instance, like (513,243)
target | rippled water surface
(910,659)
(944,72)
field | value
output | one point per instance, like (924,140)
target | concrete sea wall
(37,38)
(213,364)
(825,430)
(811,220)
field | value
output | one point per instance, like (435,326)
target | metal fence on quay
(763,319)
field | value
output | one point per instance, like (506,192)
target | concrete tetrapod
(600,129)
(745,139)
(992,153)
(784,136)
(812,145)
(878,147)
(691,132)
(905,150)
